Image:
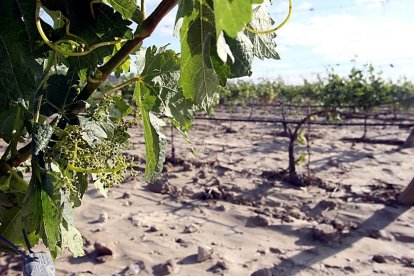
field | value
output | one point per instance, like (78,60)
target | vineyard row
(296,122)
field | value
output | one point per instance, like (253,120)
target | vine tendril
(84,48)
(88,170)
(143,8)
(122,85)
(91,7)
(277,27)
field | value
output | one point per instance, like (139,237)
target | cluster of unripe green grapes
(103,158)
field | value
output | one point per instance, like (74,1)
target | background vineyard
(362,99)
(68,135)
(363,93)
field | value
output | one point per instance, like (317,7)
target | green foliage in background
(363,90)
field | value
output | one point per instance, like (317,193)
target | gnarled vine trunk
(284,124)
(407,195)
(292,166)
(365,128)
(409,143)
(293,136)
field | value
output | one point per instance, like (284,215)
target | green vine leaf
(155,140)
(198,79)
(76,196)
(61,90)
(301,137)
(156,153)
(232,15)
(101,187)
(160,77)
(5,182)
(11,123)
(25,216)
(71,237)
(264,45)
(128,9)
(41,137)
(243,52)
(72,240)
(120,109)
(301,159)
(50,227)
(19,71)
(105,26)
(92,131)
(223,49)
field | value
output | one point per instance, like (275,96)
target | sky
(322,34)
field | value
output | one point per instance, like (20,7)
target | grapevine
(73,133)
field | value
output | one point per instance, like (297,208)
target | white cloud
(308,46)
(372,3)
(304,6)
(341,37)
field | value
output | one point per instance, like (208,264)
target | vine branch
(144,30)
(308,117)
(22,155)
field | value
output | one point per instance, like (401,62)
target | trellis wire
(323,123)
